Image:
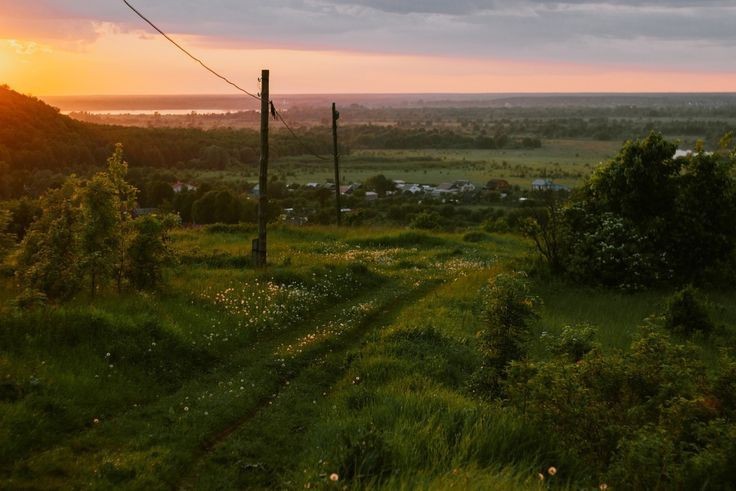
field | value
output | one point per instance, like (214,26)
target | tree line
(645,218)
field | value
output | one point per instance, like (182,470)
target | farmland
(568,161)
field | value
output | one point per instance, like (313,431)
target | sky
(77,47)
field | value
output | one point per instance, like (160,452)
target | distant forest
(38,144)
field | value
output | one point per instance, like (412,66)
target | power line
(190,55)
(286,125)
(276,114)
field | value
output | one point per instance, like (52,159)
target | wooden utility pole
(259,245)
(335,117)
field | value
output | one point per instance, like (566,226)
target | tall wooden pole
(260,255)
(335,117)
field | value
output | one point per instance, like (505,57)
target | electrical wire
(277,114)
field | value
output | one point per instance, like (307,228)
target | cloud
(667,33)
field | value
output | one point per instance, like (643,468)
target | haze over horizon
(72,47)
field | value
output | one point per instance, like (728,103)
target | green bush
(649,418)
(574,342)
(686,314)
(508,306)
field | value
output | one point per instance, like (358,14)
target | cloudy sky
(316,46)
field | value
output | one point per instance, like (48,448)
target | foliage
(546,229)
(101,229)
(217,207)
(6,240)
(605,249)
(148,251)
(508,307)
(574,342)
(86,229)
(638,418)
(379,184)
(50,252)
(646,216)
(427,221)
(686,315)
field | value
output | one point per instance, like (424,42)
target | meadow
(346,362)
(569,162)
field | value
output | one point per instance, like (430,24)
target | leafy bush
(650,418)
(507,308)
(6,240)
(427,221)
(686,314)
(149,251)
(574,342)
(612,253)
(646,216)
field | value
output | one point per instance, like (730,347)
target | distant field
(566,161)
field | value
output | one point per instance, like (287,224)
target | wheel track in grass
(379,318)
(253,360)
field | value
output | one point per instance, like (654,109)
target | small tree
(101,229)
(149,250)
(380,184)
(50,253)
(686,314)
(545,228)
(126,195)
(508,307)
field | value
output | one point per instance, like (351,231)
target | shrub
(149,251)
(427,221)
(574,342)
(508,306)
(649,418)
(686,314)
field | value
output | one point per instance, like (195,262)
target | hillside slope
(34,135)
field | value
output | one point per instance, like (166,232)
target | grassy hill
(34,135)
(350,356)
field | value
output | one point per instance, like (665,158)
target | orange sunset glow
(98,56)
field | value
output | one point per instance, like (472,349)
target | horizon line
(323,94)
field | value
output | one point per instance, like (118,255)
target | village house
(459,186)
(547,185)
(350,189)
(179,186)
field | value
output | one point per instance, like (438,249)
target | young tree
(101,229)
(546,227)
(149,250)
(50,253)
(126,195)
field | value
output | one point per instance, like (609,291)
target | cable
(301,141)
(190,55)
(276,114)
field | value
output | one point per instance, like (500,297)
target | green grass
(570,161)
(350,355)
(616,315)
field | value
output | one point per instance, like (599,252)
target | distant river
(174,112)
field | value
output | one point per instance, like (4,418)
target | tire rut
(379,319)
